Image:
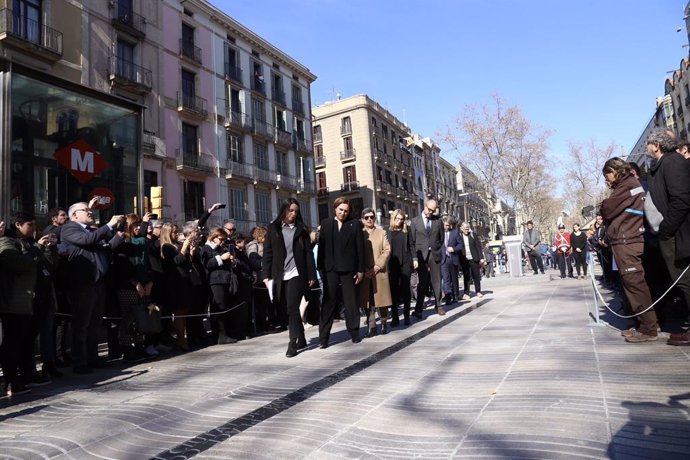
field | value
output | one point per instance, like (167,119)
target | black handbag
(147,318)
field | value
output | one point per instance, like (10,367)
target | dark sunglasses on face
(368,217)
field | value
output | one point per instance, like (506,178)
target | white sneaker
(151,351)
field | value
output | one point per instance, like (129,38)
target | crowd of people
(144,285)
(155,285)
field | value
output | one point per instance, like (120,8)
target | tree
(505,150)
(585,184)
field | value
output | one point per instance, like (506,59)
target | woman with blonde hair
(399,266)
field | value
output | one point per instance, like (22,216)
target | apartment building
(365,153)
(475,203)
(100,101)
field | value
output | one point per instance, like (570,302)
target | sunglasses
(368,217)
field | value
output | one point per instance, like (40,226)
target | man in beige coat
(374,291)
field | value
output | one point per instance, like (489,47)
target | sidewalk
(523,373)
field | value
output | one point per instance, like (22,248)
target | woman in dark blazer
(289,263)
(340,259)
(218,261)
(471,259)
(399,266)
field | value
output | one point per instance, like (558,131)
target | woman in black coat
(289,269)
(399,267)
(218,261)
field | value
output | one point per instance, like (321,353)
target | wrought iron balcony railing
(128,20)
(129,74)
(26,31)
(191,104)
(189,50)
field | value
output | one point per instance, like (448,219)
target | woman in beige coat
(374,290)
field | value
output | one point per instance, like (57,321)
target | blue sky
(587,69)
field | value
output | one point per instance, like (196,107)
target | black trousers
(429,273)
(290,298)
(331,281)
(233,322)
(88,303)
(470,270)
(400,292)
(580,261)
(535,261)
(564,263)
(16,351)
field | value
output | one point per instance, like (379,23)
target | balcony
(318,137)
(301,144)
(348,155)
(235,169)
(322,192)
(195,163)
(191,105)
(261,128)
(284,180)
(320,162)
(258,84)
(232,72)
(305,187)
(30,35)
(234,119)
(279,96)
(351,186)
(148,141)
(265,175)
(283,138)
(128,21)
(190,51)
(130,76)
(346,129)
(298,106)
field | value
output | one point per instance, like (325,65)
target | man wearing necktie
(87,267)
(426,234)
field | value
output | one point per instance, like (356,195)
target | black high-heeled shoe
(291,349)
(372,333)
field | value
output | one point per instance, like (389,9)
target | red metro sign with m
(81,160)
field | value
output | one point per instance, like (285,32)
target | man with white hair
(87,267)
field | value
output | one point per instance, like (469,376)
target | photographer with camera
(87,268)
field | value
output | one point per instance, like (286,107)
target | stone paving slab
(523,373)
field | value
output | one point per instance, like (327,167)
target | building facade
(363,152)
(96,99)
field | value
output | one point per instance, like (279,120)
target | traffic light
(157,201)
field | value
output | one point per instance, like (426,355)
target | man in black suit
(450,260)
(426,233)
(340,259)
(87,266)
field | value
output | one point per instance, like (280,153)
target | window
(318,151)
(235,148)
(379,174)
(258,111)
(261,157)
(187,41)
(26,19)
(280,119)
(263,208)
(190,142)
(193,199)
(317,133)
(303,168)
(150,180)
(126,60)
(346,126)
(258,77)
(188,86)
(349,174)
(282,163)
(305,210)
(389,179)
(321,180)
(232,65)
(235,101)
(277,88)
(298,123)
(237,203)
(347,144)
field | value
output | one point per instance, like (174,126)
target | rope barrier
(596,290)
(173,316)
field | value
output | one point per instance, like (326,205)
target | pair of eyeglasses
(368,217)
(86,210)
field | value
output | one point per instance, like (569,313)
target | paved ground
(523,373)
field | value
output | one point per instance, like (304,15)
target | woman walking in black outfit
(578,241)
(399,267)
(289,269)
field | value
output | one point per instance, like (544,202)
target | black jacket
(400,260)
(218,273)
(87,251)
(349,257)
(274,257)
(476,249)
(669,186)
